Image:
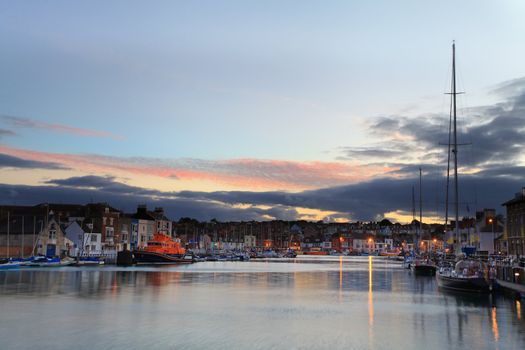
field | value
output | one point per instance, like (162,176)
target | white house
(83,240)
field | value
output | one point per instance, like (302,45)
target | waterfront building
(83,240)
(362,242)
(489,227)
(142,227)
(125,232)
(162,223)
(515,226)
(341,242)
(51,241)
(106,221)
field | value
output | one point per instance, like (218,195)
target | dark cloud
(7,161)
(364,201)
(495,137)
(5,132)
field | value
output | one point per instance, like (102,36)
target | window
(93,238)
(109,232)
(52,234)
(111,221)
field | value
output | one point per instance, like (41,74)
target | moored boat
(44,261)
(6,264)
(466,276)
(162,250)
(423,267)
(315,252)
(89,261)
(390,253)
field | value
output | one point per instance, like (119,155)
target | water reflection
(494,322)
(370,303)
(281,305)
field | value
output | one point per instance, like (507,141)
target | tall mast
(420,207)
(455,148)
(448,166)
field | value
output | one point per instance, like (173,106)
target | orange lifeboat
(162,250)
(163,244)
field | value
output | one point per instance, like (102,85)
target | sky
(240,110)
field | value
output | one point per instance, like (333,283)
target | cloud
(65,129)
(5,132)
(241,173)
(7,161)
(363,201)
(126,198)
(496,134)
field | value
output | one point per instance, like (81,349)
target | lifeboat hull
(145,257)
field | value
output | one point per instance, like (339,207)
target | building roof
(519,198)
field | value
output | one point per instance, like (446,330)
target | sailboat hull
(424,270)
(470,284)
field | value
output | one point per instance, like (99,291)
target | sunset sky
(241,110)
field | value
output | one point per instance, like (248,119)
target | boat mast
(420,208)
(455,146)
(448,167)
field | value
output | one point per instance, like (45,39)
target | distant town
(100,229)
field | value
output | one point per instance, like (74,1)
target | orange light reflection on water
(370,305)
(494,320)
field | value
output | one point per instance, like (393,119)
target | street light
(491,221)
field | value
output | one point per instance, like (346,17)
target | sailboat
(465,275)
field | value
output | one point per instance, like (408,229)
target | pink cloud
(241,173)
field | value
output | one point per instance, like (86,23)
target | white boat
(43,261)
(89,261)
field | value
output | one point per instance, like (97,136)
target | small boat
(423,267)
(89,261)
(44,261)
(197,258)
(270,254)
(23,261)
(368,254)
(390,253)
(6,264)
(315,251)
(67,261)
(290,254)
(162,250)
(466,276)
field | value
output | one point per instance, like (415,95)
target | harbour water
(306,303)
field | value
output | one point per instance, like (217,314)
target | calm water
(310,303)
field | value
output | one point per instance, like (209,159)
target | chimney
(141,208)
(159,210)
